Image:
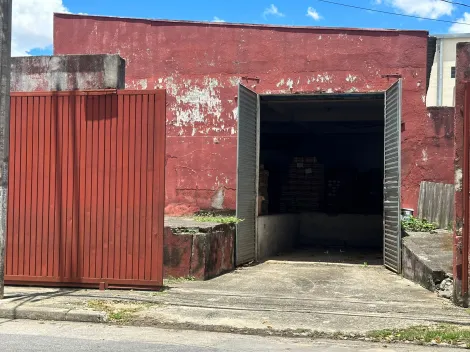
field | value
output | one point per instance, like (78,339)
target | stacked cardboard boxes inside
(304,189)
(340,190)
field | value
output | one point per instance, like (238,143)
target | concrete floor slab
(274,297)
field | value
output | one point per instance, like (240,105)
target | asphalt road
(25,335)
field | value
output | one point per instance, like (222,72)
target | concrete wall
(202,87)
(277,234)
(71,72)
(202,255)
(341,230)
(448,61)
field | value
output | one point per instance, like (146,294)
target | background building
(441,90)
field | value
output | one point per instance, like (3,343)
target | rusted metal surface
(465,190)
(87,188)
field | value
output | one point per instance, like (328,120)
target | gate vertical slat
(159,186)
(125,184)
(53,243)
(94,185)
(35,235)
(42,243)
(11,195)
(112,187)
(119,189)
(87,185)
(99,122)
(143,190)
(46,116)
(81,186)
(140,170)
(155,194)
(13,228)
(29,182)
(130,190)
(22,176)
(62,189)
(68,186)
(150,176)
(58,193)
(107,240)
(75,123)
(136,201)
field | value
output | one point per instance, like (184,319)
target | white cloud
(32,24)
(460,27)
(424,8)
(311,12)
(272,10)
(217,19)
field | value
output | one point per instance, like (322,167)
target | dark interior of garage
(321,166)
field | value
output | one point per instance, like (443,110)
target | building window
(452,72)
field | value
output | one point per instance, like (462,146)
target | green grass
(450,334)
(221,219)
(115,314)
(175,280)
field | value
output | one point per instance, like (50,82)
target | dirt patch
(118,311)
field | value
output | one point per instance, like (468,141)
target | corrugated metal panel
(86,192)
(247,174)
(392,179)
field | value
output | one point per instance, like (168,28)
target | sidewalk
(273,298)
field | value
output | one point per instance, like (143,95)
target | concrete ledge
(55,314)
(67,72)
(199,250)
(424,261)
(86,316)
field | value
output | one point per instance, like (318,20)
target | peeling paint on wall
(458,180)
(290,83)
(142,84)
(235,113)
(350,78)
(235,81)
(199,110)
(194,102)
(218,199)
(424,158)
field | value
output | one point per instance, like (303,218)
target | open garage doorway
(319,177)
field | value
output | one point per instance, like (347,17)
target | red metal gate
(86,188)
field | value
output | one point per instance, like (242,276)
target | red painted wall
(200,65)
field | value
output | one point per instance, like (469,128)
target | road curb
(54,314)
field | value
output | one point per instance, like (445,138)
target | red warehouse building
(313,119)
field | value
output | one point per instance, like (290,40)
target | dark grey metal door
(392,178)
(247,175)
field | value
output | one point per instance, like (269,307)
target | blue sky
(283,12)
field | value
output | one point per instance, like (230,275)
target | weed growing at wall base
(220,219)
(413,224)
(449,334)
